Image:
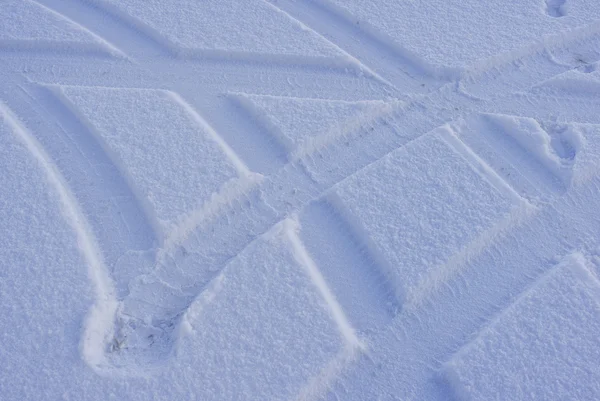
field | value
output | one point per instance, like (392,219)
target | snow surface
(545,345)
(191,27)
(456,34)
(28,24)
(303,124)
(172,160)
(299,200)
(427,198)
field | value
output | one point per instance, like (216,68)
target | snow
(299,200)
(170,158)
(280,326)
(532,137)
(545,345)
(50,25)
(456,35)
(301,124)
(41,317)
(583,82)
(198,28)
(424,197)
(18,31)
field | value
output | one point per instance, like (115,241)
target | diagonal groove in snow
(152,39)
(565,302)
(291,227)
(351,58)
(127,39)
(379,264)
(559,42)
(113,213)
(384,57)
(320,165)
(457,262)
(485,170)
(144,32)
(218,204)
(237,162)
(55,34)
(104,147)
(360,124)
(112,49)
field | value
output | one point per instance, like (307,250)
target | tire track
(131,41)
(112,209)
(74,39)
(426,339)
(98,325)
(150,42)
(396,65)
(191,262)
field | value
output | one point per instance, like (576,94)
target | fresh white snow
(28,24)
(548,338)
(426,198)
(301,125)
(299,200)
(456,35)
(230,28)
(173,159)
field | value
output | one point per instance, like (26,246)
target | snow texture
(456,34)
(302,124)
(192,27)
(171,157)
(29,25)
(280,326)
(545,346)
(424,198)
(299,200)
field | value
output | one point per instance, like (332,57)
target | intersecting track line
(485,288)
(554,108)
(394,143)
(516,70)
(546,45)
(332,155)
(219,203)
(389,143)
(55,50)
(196,81)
